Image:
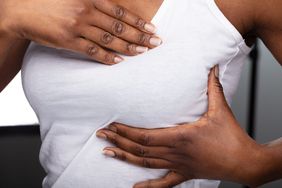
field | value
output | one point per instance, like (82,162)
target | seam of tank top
(238,50)
(236,54)
(228,62)
(83,148)
(244,48)
(227,24)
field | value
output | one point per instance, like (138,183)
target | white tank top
(73,96)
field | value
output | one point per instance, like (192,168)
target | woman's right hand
(91,27)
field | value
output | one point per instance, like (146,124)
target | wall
(19,161)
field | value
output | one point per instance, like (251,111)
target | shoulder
(268,17)
(254,19)
(241,13)
(268,14)
(268,25)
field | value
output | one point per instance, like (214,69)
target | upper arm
(273,42)
(269,25)
(13,61)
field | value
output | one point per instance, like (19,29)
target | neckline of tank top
(160,12)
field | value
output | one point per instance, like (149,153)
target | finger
(95,52)
(170,180)
(109,41)
(134,148)
(139,161)
(123,30)
(124,15)
(216,98)
(147,137)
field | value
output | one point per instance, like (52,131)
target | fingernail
(113,128)
(109,153)
(101,135)
(150,28)
(154,41)
(118,59)
(216,71)
(141,49)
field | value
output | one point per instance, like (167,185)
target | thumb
(216,98)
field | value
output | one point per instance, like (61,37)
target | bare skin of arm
(11,53)
(215,147)
(269,26)
(259,19)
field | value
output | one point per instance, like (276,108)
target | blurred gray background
(19,164)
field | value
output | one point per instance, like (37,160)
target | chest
(167,83)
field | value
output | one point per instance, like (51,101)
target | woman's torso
(73,97)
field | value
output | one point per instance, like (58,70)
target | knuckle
(108,57)
(119,12)
(131,49)
(140,23)
(140,151)
(118,129)
(113,139)
(181,134)
(166,183)
(143,38)
(118,28)
(146,163)
(122,156)
(187,137)
(92,50)
(82,9)
(145,139)
(218,87)
(64,36)
(149,184)
(73,23)
(106,38)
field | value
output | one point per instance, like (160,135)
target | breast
(165,85)
(162,86)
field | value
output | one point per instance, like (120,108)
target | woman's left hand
(214,147)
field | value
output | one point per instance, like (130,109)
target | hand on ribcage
(214,147)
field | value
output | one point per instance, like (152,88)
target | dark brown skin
(214,147)
(195,150)
(90,27)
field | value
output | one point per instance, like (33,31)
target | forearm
(6,44)
(264,166)
(274,163)
(12,51)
